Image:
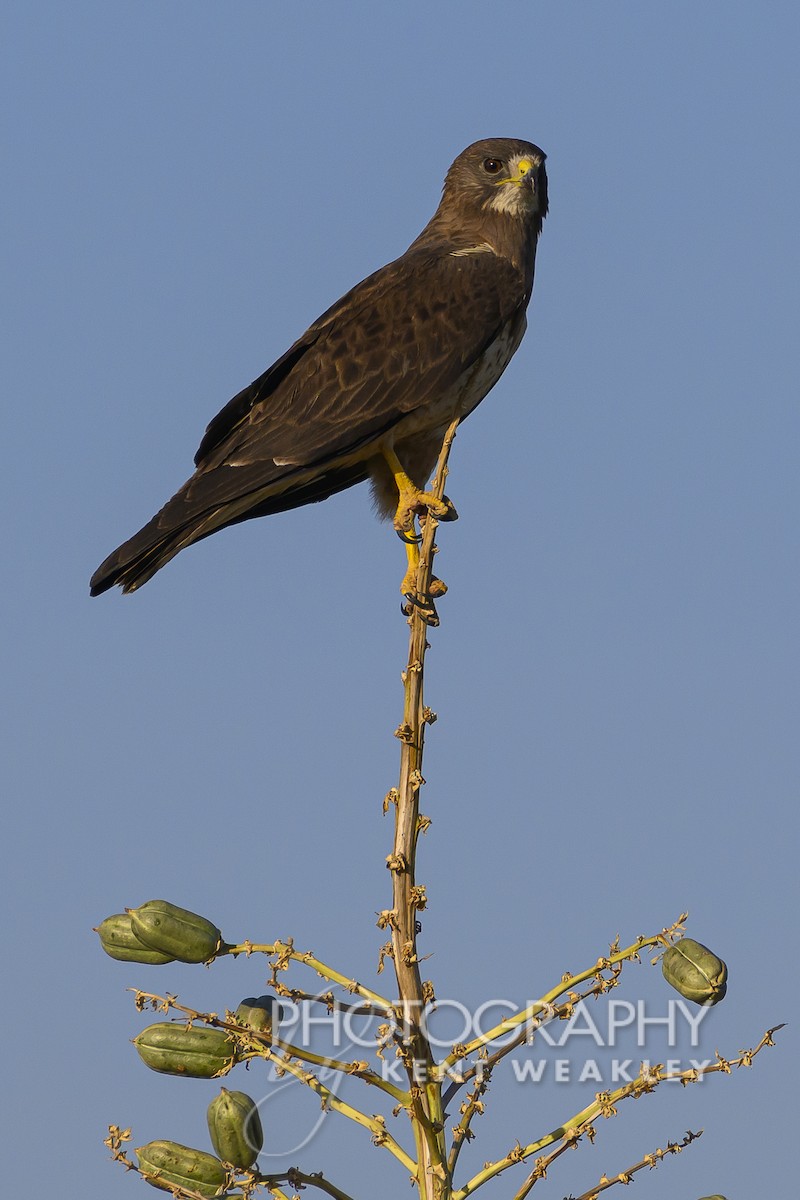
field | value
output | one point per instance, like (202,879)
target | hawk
(369,389)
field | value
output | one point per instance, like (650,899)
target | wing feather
(389,347)
(392,346)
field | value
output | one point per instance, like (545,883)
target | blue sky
(616,669)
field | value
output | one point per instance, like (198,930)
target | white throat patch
(511,198)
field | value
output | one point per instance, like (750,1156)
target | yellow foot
(414,503)
(409,585)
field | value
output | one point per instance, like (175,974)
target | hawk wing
(393,344)
(305,428)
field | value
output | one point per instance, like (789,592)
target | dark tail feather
(138,559)
(171,530)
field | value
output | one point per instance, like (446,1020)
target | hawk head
(499,175)
(495,196)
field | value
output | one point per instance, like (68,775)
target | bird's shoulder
(440,272)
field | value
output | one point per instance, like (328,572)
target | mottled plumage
(380,374)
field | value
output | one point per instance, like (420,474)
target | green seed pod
(716,1196)
(259,1012)
(694,971)
(168,1164)
(235,1128)
(192,1050)
(175,931)
(118,939)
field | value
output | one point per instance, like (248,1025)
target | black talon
(426,609)
(452,512)
(411,539)
(431,618)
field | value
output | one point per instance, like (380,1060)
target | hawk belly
(417,438)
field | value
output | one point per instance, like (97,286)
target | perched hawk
(370,387)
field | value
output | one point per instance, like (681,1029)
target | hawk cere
(369,389)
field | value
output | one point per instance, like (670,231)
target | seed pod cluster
(176,931)
(194,1051)
(261,1013)
(235,1128)
(119,941)
(169,1164)
(695,971)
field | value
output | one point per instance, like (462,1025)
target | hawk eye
(492,165)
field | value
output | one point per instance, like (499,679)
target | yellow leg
(410,498)
(412,502)
(409,585)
